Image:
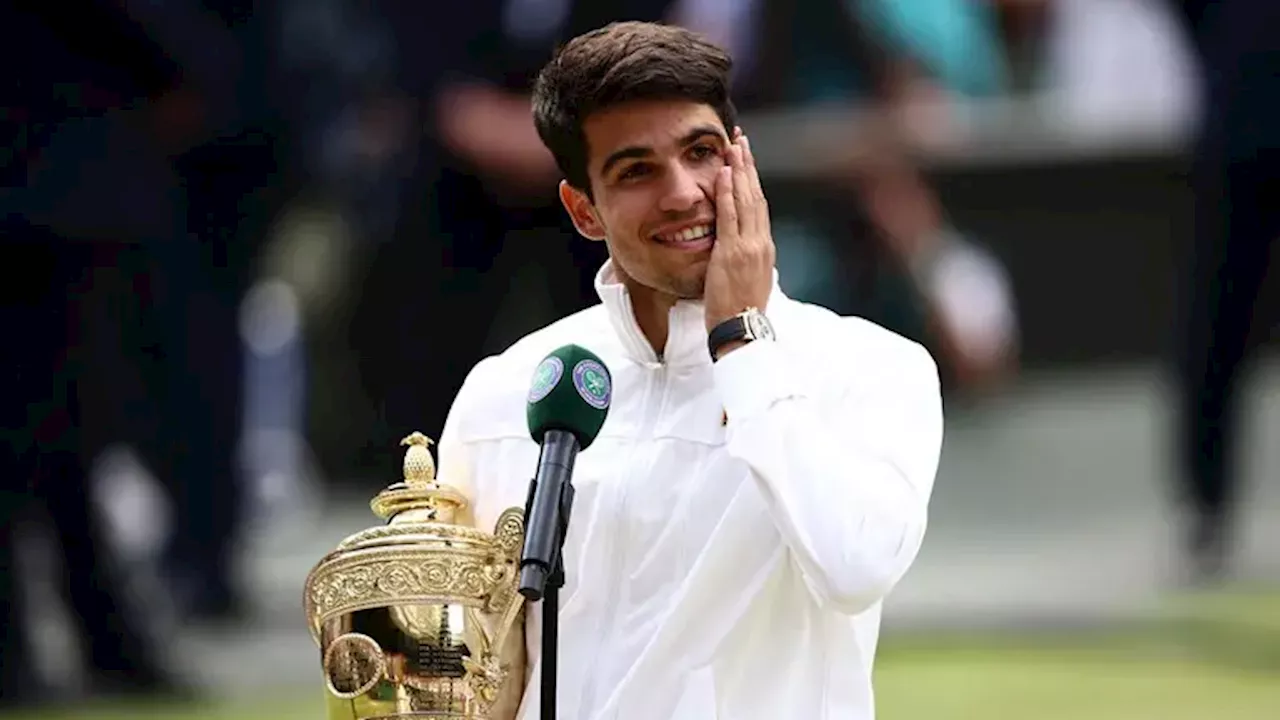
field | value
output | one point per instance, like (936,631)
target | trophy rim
(411,533)
(392,575)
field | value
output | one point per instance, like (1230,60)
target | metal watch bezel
(757,325)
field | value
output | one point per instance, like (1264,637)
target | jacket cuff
(752,378)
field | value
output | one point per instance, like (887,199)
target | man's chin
(692,290)
(691,286)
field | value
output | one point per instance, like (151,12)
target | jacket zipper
(654,397)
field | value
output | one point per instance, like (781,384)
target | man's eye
(633,171)
(702,152)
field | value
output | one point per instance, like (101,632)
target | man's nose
(682,190)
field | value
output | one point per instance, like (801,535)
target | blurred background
(248,246)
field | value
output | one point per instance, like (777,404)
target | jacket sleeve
(455,464)
(847,476)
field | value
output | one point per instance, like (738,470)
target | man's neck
(652,310)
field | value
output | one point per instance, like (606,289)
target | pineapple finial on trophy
(419,467)
(420,496)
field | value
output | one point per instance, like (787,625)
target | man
(749,503)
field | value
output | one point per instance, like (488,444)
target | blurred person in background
(44,476)
(232,185)
(85,178)
(478,204)
(892,258)
(351,126)
(142,155)
(1235,179)
(967,296)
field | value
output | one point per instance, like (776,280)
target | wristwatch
(746,326)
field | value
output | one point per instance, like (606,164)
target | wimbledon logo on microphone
(592,383)
(545,378)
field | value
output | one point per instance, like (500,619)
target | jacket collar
(687,331)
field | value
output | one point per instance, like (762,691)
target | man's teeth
(688,234)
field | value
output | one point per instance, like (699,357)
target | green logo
(545,377)
(592,383)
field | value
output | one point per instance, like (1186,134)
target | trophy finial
(419,467)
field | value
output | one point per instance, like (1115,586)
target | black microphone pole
(547,512)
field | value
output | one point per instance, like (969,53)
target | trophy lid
(420,497)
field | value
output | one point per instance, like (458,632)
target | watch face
(760,326)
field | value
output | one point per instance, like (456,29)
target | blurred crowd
(257,242)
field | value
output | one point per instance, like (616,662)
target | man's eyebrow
(700,132)
(637,151)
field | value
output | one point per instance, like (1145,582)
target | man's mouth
(695,237)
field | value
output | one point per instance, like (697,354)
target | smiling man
(762,481)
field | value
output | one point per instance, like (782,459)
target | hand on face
(740,272)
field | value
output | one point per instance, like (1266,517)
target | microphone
(568,402)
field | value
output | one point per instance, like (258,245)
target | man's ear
(582,211)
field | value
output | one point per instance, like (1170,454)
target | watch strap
(731,330)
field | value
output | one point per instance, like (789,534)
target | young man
(748,503)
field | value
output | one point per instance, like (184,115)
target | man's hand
(494,130)
(740,273)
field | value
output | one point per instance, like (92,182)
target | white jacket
(718,570)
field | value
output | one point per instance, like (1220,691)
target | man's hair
(624,62)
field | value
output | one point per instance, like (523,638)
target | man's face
(653,167)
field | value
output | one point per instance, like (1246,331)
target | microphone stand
(551,619)
(550,595)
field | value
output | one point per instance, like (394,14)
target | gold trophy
(420,618)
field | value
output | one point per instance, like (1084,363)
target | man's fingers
(742,190)
(752,171)
(760,205)
(726,207)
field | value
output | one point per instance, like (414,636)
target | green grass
(1207,657)
(1216,657)
(1072,683)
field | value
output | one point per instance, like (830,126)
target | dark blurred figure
(136,163)
(64,90)
(482,185)
(228,164)
(44,475)
(1236,182)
